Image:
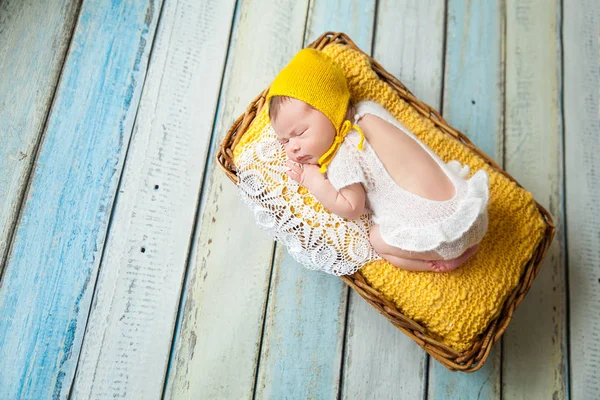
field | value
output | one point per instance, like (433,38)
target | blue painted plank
(34,37)
(473,104)
(53,264)
(137,294)
(302,347)
(304,332)
(474,74)
(409,44)
(355,18)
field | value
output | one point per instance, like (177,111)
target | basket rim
(473,358)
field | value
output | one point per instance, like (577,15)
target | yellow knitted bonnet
(314,78)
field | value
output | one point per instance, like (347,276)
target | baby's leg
(376,240)
(398,257)
(416,261)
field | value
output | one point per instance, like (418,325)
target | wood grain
(34,38)
(220,331)
(380,361)
(535,348)
(581,38)
(128,336)
(53,263)
(305,327)
(474,104)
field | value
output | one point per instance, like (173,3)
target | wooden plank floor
(129,268)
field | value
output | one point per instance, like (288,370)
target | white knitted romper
(406,220)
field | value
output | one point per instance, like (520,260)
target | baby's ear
(350,111)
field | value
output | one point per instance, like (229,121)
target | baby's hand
(306,175)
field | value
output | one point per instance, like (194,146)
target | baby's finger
(294,176)
(294,167)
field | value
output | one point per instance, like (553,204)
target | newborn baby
(426,215)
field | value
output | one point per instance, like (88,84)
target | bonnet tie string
(347,126)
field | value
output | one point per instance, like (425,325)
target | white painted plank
(218,338)
(34,38)
(409,43)
(128,337)
(474,104)
(534,346)
(355,18)
(53,263)
(581,40)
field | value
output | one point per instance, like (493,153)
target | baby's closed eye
(285,141)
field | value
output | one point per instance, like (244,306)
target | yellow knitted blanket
(454,307)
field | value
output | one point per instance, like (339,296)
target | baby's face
(305,133)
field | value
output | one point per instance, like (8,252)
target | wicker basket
(469,360)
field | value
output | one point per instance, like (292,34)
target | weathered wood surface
(581,39)
(473,102)
(57,246)
(534,359)
(34,38)
(519,78)
(380,361)
(340,349)
(304,335)
(217,347)
(128,338)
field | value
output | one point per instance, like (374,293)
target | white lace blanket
(316,238)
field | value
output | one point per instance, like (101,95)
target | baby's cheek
(314,145)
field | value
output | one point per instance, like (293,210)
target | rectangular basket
(473,358)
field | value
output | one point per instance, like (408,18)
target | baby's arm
(348,203)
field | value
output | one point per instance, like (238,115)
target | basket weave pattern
(472,358)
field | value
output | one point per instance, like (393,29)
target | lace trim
(316,238)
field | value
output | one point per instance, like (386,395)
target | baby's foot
(443,265)
(449,265)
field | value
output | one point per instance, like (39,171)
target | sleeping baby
(357,158)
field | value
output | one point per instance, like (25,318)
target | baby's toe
(434,266)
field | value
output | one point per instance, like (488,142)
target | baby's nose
(292,153)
